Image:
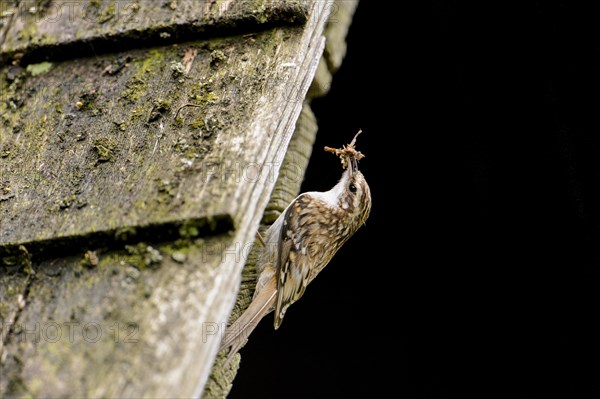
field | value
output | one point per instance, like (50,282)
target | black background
(477,273)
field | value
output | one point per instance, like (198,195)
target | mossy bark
(39,29)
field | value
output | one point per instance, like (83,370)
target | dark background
(477,273)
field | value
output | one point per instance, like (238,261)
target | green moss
(8,150)
(189,230)
(136,87)
(108,13)
(104,149)
(153,61)
(143,255)
(217,58)
(210,97)
(45,40)
(203,97)
(87,102)
(164,105)
(39,69)
(137,112)
(125,233)
(159,108)
(203,93)
(66,202)
(29,31)
(167,190)
(197,124)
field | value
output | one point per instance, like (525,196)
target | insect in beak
(348,155)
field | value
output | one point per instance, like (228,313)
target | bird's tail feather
(238,332)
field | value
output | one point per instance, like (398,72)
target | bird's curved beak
(352,165)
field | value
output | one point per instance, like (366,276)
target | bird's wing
(293,269)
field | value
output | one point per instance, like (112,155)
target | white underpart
(332,196)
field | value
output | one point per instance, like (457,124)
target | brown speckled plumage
(299,245)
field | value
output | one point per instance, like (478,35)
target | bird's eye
(352,188)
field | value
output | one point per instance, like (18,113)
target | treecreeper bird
(301,242)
